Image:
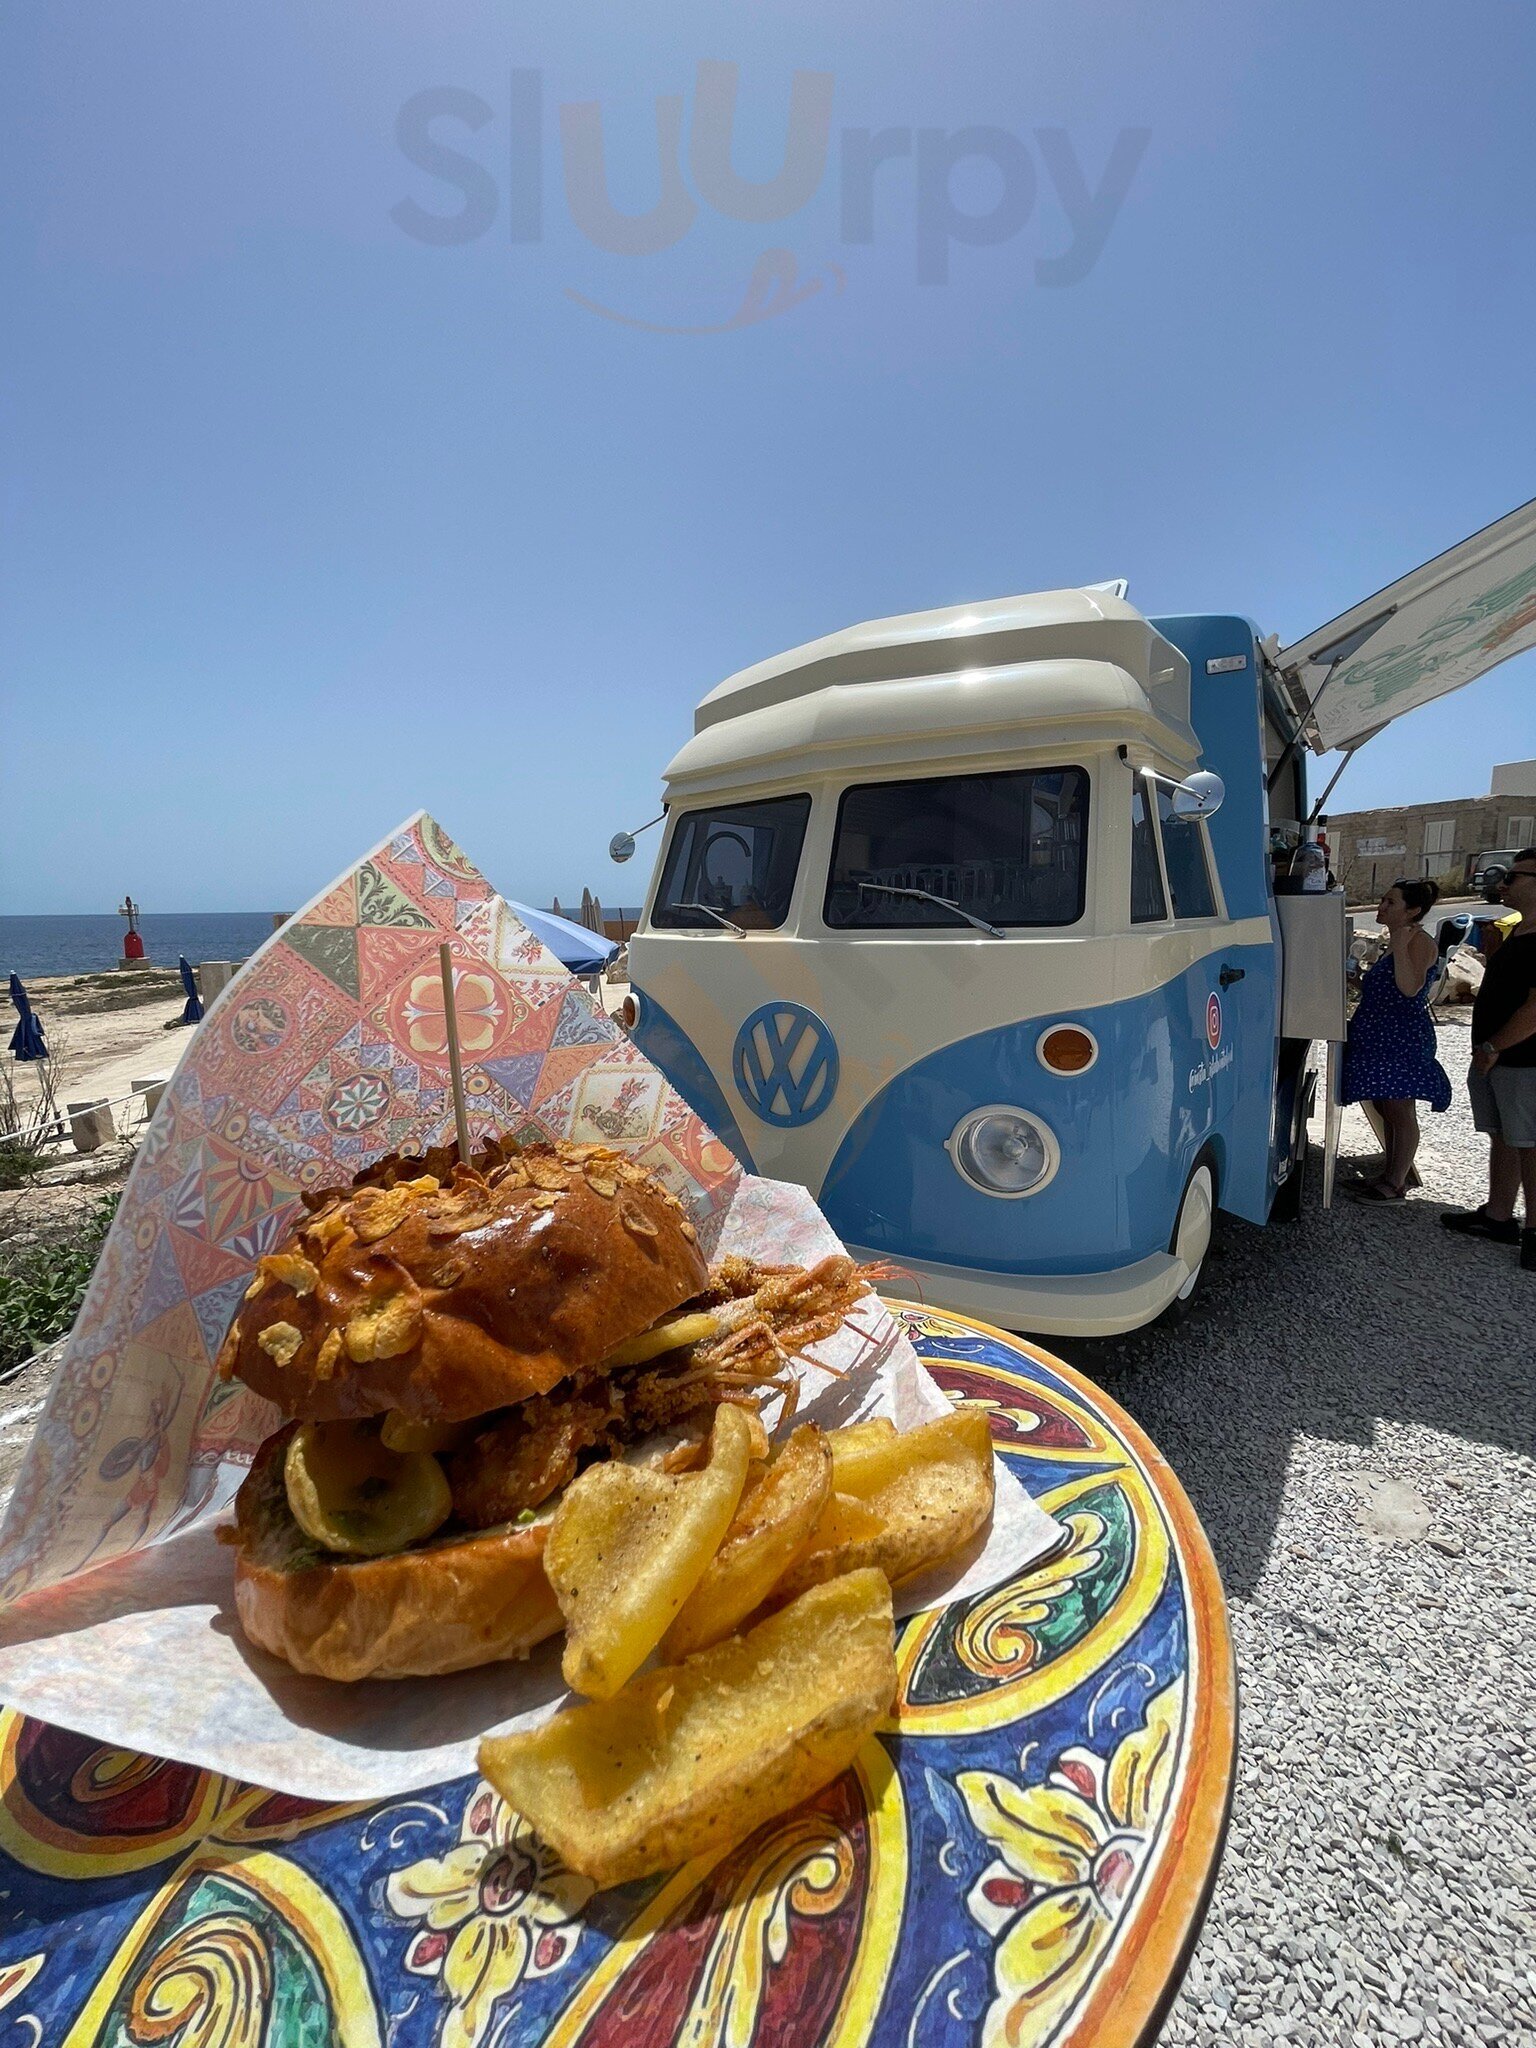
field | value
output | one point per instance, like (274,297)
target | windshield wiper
(927,896)
(718,915)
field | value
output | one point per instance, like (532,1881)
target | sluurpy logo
(974,187)
(1213,1020)
(786,1064)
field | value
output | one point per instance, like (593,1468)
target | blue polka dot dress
(1390,1053)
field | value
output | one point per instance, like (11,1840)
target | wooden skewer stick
(455,1063)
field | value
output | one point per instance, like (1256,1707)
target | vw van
(979,924)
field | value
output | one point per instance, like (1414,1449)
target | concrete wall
(1514,778)
(1478,824)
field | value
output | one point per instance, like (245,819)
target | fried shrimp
(758,1317)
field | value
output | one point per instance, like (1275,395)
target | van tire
(1192,1238)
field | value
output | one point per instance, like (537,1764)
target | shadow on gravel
(1321,1329)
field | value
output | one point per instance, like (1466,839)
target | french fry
(860,1448)
(772,1526)
(928,1491)
(692,1757)
(845,1519)
(628,1545)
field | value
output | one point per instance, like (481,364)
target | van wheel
(1192,1236)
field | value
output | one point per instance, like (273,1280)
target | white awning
(1444,625)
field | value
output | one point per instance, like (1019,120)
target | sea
(86,945)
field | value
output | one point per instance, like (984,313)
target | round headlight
(1003,1151)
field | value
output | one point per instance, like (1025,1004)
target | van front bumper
(1048,1304)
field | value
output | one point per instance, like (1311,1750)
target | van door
(1441,626)
(1192,894)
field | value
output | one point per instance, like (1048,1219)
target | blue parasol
(27,1038)
(194,1009)
(578,950)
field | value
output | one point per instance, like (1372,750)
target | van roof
(1079,663)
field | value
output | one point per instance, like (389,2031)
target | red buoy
(133,945)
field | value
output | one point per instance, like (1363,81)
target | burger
(448,1342)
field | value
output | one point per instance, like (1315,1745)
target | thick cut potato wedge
(931,1488)
(772,1526)
(858,1449)
(692,1757)
(628,1545)
(844,1519)
(846,1526)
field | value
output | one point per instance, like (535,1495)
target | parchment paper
(120,1621)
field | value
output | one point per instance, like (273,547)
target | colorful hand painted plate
(1026,1861)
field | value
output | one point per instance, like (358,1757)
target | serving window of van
(732,867)
(1007,848)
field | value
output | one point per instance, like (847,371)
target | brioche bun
(446,1298)
(470,1602)
(443,1607)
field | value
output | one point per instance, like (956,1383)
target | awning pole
(1317,808)
(1336,654)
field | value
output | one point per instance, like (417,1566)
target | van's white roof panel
(1053,656)
(1071,707)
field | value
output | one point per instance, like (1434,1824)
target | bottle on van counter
(1311,864)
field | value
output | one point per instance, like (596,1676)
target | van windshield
(1007,848)
(732,866)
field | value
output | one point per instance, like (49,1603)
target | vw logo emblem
(786,1064)
(1213,1020)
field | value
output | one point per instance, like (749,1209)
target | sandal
(1379,1191)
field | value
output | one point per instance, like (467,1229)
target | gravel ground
(1379,1883)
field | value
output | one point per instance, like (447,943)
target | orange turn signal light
(1067,1050)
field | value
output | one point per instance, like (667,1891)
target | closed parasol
(27,1039)
(194,1009)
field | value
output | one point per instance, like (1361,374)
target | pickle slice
(399,1433)
(351,1494)
(669,1335)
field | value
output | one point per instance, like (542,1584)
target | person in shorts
(1502,1081)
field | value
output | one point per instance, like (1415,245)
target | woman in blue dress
(1389,1058)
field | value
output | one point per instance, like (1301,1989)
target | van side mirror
(1199,796)
(621,847)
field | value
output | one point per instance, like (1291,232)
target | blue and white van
(968,921)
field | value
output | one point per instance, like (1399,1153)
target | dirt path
(101,1051)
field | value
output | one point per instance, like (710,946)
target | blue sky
(308,523)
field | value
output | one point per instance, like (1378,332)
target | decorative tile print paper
(329,1049)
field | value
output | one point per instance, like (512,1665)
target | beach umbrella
(578,950)
(194,1009)
(27,1038)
